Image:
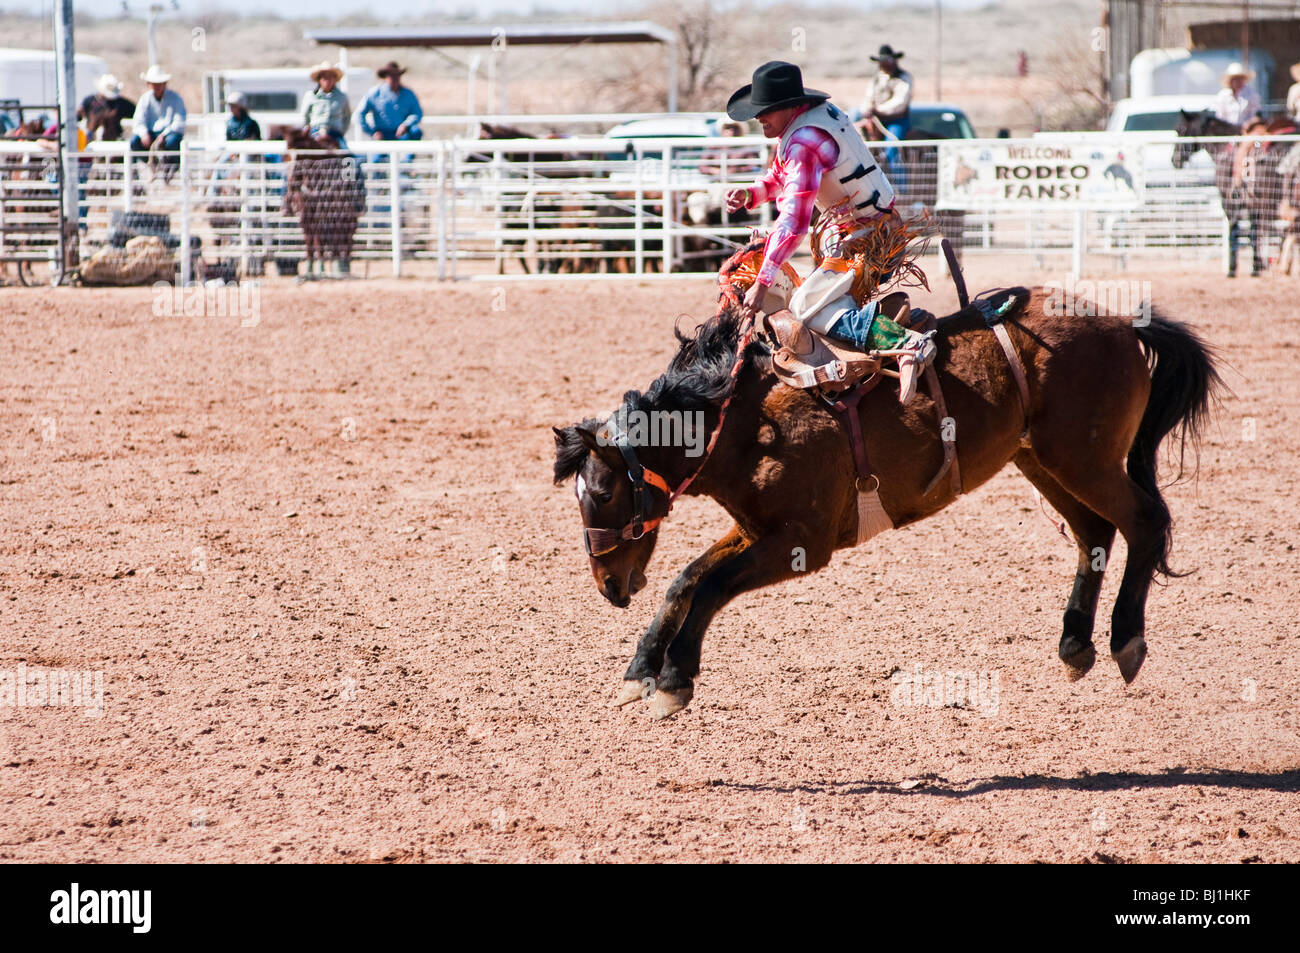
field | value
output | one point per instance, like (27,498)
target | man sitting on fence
(106,109)
(326,112)
(240,127)
(391,110)
(159,117)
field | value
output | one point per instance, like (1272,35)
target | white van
(28,76)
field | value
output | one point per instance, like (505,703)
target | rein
(601,540)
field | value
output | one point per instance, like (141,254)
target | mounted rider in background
(822,162)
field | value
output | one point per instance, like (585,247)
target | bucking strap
(994,318)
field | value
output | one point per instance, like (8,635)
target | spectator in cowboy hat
(159,122)
(1293,94)
(106,109)
(889,101)
(1237,102)
(240,126)
(325,110)
(391,110)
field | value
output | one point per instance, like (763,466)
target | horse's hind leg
(1109,491)
(1094,536)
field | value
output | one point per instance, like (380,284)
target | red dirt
(342,614)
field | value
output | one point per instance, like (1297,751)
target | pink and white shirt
(793,182)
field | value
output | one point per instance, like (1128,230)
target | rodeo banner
(1082,174)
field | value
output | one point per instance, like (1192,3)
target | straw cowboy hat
(325,68)
(389,69)
(887,52)
(156,74)
(108,86)
(1236,69)
(775,85)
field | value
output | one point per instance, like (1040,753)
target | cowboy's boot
(919,351)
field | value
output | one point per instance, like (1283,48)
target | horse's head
(1193,125)
(621,505)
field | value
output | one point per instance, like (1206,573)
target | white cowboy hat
(156,74)
(108,86)
(323,68)
(1236,69)
(236,98)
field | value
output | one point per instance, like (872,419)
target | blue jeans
(855,326)
(171,142)
(893,155)
(410,134)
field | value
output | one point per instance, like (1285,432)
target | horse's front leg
(650,651)
(768,560)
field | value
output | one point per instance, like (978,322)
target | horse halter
(600,540)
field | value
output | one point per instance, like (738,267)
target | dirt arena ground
(342,615)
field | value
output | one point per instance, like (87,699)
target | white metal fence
(469,208)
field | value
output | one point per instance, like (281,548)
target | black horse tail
(1184,385)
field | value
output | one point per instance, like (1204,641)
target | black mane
(698,378)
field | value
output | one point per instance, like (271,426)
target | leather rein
(600,540)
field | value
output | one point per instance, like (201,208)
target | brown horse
(1103,393)
(326,190)
(1245,174)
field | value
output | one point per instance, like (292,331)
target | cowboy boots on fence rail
(919,351)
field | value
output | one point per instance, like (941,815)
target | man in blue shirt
(390,110)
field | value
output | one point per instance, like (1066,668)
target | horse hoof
(665,704)
(1080,663)
(1130,658)
(634,690)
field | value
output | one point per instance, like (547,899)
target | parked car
(1155,113)
(941,121)
(1150,122)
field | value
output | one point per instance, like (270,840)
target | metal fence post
(186,261)
(395,210)
(666,221)
(128,178)
(442,211)
(638,247)
(244,223)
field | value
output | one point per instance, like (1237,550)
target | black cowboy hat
(390,67)
(775,85)
(887,52)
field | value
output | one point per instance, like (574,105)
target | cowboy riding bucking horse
(823,163)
